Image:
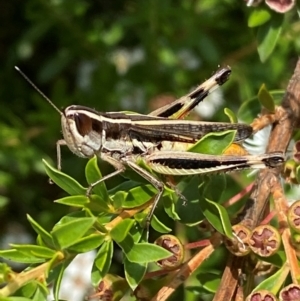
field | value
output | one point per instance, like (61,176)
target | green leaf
(102,262)
(169,207)
(190,213)
(45,236)
(214,143)
(64,181)
(34,290)
(68,233)
(74,215)
(145,252)
(232,117)
(87,243)
(119,198)
(209,280)
(259,16)
(277,259)
(54,269)
(275,282)
(266,98)
(121,230)
(28,289)
(124,187)
(40,294)
(134,273)
(37,251)
(142,252)
(251,108)
(5,270)
(17,256)
(209,189)
(217,217)
(138,232)
(58,280)
(138,196)
(97,204)
(268,35)
(158,226)
(93,174)
(74,201)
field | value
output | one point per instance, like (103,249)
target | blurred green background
(114,55)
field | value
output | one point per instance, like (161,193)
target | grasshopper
(123,139)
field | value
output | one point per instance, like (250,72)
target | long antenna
(39,91)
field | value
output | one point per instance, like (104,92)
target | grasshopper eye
(83,123)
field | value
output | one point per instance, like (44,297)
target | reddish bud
(261,295)
(174,245)
(290,293)
(239,246)
(265,240)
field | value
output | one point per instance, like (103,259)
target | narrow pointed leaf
(102,262)
(18,256)
(268,35)
(138,196)
(34,250)
(134,273)
(125,186)
(266,98)
(142,252)
(68,233)
(249,110)
(169,207)
(190,213)
(118,199)
(40,294)
(28,289)
(46,236)
(58,280)
(74,201)
(217,217)
(158,226)
(87,243)
(64,181)
(93,174)
(275,282)
(210,191)
(120,231)
(97,204)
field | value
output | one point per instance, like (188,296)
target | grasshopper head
(81,126)
(82,130)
